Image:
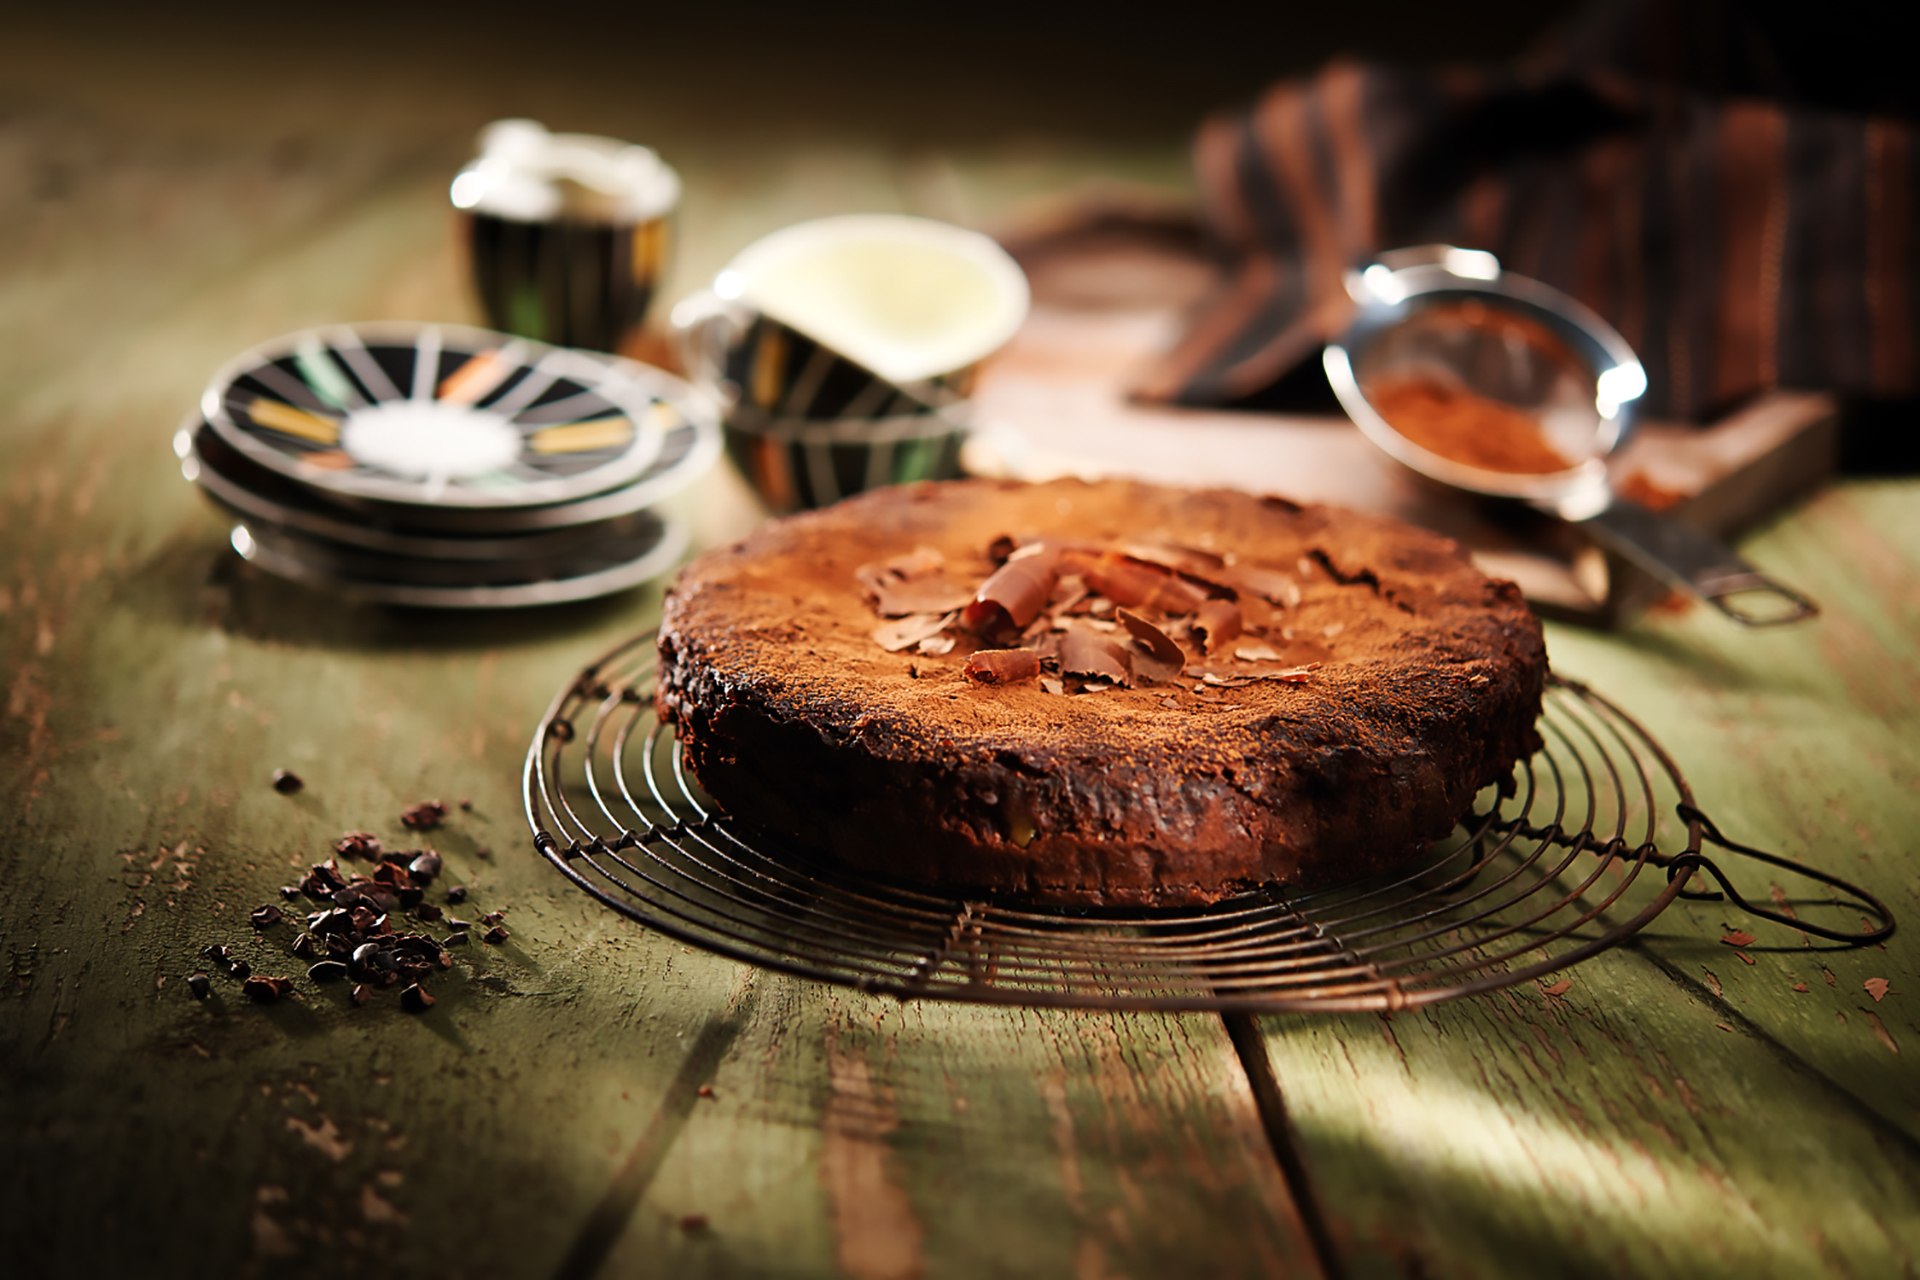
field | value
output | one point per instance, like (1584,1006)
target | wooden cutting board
(1113,285)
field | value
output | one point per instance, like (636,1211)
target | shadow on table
(192,582)
(1589,1137)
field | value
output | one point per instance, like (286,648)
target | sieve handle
(1697,563)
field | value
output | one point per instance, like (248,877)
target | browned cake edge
(1353,776)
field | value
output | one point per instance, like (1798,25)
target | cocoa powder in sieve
(1463,427)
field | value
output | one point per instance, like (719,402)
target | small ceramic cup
(567,234)
(845,349)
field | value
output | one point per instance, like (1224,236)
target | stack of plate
(439,466)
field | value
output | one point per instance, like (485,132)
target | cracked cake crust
(793,718)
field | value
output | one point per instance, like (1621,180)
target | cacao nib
(334,921)
(424,816)
(322,881)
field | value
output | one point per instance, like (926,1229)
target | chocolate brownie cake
(1107,693)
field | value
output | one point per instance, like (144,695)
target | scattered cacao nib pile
(366,928)
(1080,619)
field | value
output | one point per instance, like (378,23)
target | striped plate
(646,548)
(443,416)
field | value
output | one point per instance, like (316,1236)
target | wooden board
(1115,279)
(1683,1107)
(546,1117)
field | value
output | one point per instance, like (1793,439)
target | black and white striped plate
(443,416)
(254,494)
(640,553)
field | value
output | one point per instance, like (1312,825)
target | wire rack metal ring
(1569,865)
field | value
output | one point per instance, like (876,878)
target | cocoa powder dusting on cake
(1384,684)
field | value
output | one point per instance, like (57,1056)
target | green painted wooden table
(594,1099)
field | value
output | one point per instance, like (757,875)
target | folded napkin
(1738,242)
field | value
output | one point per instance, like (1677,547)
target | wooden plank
(545,1115)
(859,1136)
(1615,1130)
(1684,1107)
(143,834)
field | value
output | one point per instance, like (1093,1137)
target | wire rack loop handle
(1692,813)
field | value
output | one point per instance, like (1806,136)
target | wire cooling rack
(1600,835)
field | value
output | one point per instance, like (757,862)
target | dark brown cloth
(1738,243)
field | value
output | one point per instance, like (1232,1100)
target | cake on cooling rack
(1098,694)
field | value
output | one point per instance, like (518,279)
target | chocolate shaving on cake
(1135,583)
(1050,601)
(1192,561)
(1216,622)
(1162,660)
(910,631)
(1002,666)
(1069,592)
(1209,572)
(1268,583)
(1085,652)
(915,563)
(924,595)
(911,584)
(1017,591)
(1241,677)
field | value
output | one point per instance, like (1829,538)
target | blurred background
(184,140)
(770,111)
(180,182)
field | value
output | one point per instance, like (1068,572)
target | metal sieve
(1452,319)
